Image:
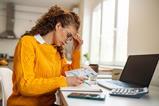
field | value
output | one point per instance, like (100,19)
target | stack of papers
(104,76)
(82,88)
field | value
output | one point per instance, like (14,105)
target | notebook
(82,88)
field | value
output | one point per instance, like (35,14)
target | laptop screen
(139,69)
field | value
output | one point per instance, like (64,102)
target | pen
(87,83)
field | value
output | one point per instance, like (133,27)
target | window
(96,30)
(109,33)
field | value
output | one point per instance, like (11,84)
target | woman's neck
(48,38)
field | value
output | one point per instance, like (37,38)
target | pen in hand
(87,83)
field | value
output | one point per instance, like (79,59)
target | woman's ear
(58,26)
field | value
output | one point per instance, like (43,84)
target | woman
(39,62)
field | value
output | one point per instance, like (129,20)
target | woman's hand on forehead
(77,41)
(75,35)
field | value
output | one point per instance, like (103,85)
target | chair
(6,84)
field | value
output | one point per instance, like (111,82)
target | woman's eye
(69,35)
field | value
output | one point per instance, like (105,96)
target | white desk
(152,99)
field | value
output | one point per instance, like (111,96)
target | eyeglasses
(69,37)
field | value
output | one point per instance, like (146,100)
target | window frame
(114,62)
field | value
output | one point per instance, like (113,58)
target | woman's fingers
(77,41)
(74,81)
(82,78)
(77,37)
(79,81)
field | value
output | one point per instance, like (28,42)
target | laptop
(138,72)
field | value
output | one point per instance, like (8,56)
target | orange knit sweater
(38,72)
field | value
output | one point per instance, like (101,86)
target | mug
(116,73)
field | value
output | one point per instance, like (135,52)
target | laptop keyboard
(110,84)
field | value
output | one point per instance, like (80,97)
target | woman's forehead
(72,29)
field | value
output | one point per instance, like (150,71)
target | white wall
(25,19)
(8,46)
(143,34)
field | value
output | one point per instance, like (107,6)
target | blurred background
(111,29)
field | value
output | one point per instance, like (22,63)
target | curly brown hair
(49,20)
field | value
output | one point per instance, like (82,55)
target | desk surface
(152,99)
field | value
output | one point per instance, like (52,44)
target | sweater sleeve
(75,62)
(28,84)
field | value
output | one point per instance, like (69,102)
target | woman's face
(63,35)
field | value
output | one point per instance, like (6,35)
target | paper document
(83,72)
(86,72)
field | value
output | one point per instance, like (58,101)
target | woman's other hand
(74,81)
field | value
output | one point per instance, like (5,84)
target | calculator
(129,92)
